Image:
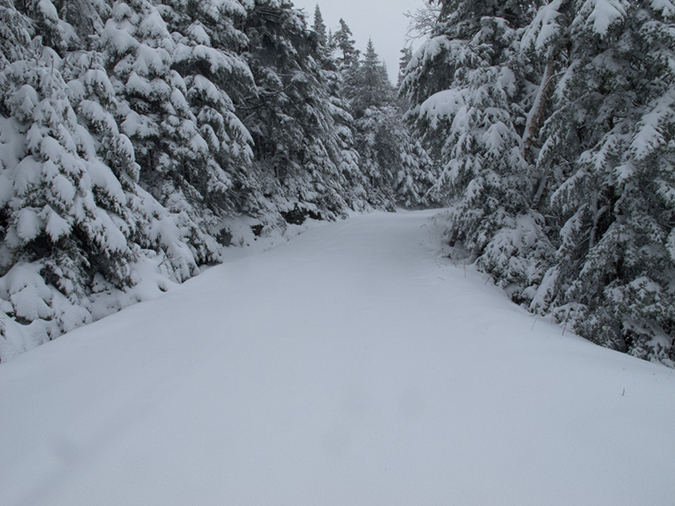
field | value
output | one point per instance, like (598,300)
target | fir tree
(15,34)
(207,58)
(354,182)
(175,160)
(469,97)
(404,60)
(319,28)
(64,213)
(611,177)
(343,42)
(297,149)
(396,166)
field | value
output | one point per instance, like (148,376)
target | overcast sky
(381,20)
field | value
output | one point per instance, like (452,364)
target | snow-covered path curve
(349,366)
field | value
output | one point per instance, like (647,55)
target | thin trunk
(540,191)
(535,117)
(597,214)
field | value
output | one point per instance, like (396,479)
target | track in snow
(349,366)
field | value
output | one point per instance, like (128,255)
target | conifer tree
(175,159)
(404,60)
(319,28)
(297,150)
(611,177)
(354,181)
(15,34)
(343,42)
(64,214)
(469,96)
(207,58)
(395,165)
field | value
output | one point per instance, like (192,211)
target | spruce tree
(175,159)
(404,60)
(296,144)
(396,166)
(345,45)
(469,95)
(606,150)
(65,216)
(319,28)
(354,182)
(207,57)
(15,34)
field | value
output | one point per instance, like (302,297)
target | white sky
(381,20)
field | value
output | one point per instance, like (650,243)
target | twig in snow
(566,318)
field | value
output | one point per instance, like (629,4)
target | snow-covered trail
(349,366)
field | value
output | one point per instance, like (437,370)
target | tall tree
(297,152)
(404,60)
(207,57)
(396,166)
(319,27)
(155,114)
(609,167)
(343,42)
(354,181)
(469,95)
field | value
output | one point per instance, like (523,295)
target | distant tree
(396,165)
(343,42)
(404,60)
(297,149)
(319,28)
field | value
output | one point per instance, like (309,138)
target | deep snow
(353,365)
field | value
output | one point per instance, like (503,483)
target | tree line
(131,131)
(553,124)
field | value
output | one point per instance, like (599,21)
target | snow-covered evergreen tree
(354,181)
(64,214)
(207,57)
(469,96)
(607,151)
(15,34)
(396,166)
(554,121)
(319,28)
(404,60)
(176,164)
(345,46)
(297,149)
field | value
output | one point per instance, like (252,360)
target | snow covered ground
(350,366)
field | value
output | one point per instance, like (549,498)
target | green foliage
(132,131)
(554,123)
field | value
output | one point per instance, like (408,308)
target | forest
(140,139)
